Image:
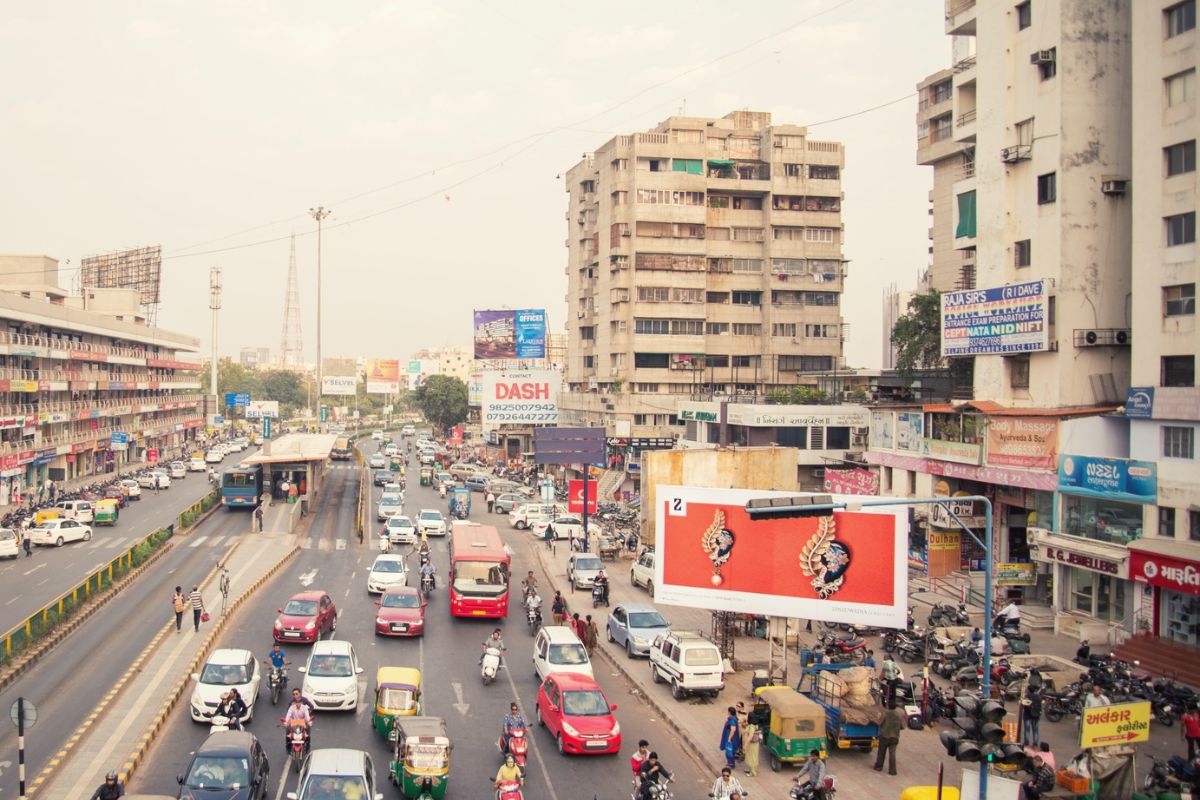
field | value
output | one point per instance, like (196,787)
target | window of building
(747,234)
(1047,63)
(589,362)
(646,388)
(616,360)
(619,164)
(940,92)
(652,326)
(787,202)
(1180,158)
(1178,442)
(1194,525)
(711,360)
(837,438)
(718,234)
(620,198)
(821,331)
(787,233)
(1047,188)
(716,297)
(942,128)
(1018,372)
(789,266)
(1180,18)
(747,203)
(742,362)
(792,437)
(692,166)
(687,327)
(784,329)
(1022,253)
(747,298)
(805,363)
(653,294)
(823,172)
(793,170)
(1024,15)
(747,329)
(821,298)
(1024,132)
(667,197)
(1178,371)
(1180,300)
(670,261)
(718,201)
(618,326)
(746,264)
(966,215)
(1166,522)
(650,360)
(1181,228)
(716,328)
(826,235)
(687,295)
(670,230)
(587,332)
(923,129)
(1180,88)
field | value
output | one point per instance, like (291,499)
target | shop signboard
(1016,575)
(910,427)
(1022,442)
(997,321)
(852,481)
(945,541)
(958,452)
(383,376)
(699,412)
(1139,402)
(942,517)
(1086,554)
(761,416)
(850,566)
(525,397)
(1120,724)
(1165,572)
(1108,478)
(120,441)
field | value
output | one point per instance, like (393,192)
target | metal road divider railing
(189,515)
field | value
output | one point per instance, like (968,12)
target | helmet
(111,775)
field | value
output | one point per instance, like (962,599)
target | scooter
(599,594)
(943,615)
(218,723)
(509,790)
(490,666)
(518,745)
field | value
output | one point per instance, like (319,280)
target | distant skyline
(436,133)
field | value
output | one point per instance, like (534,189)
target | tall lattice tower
(291,345)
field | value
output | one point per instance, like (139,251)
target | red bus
(479,567)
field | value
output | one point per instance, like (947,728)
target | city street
(332,560)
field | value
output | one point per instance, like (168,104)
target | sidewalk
(127,719)
(698,721)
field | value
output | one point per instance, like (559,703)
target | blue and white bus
(241,487)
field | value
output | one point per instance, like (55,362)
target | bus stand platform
(302,459)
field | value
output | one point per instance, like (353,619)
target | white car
(331,676)
(431,522)
(163,476)
(388,570)
(10,543)
(131,489)
(582,569)
(563,527)
(523,515)
(394,488)
(377,435)
(58,532)
(377,461)
(407,430)
(642,572)
(224,670)
(389,506)
(401,530)
(177,469)
(558,649)
(390,449)
(196,464)
(214,456)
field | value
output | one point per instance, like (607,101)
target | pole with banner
(587,542)
(567,446)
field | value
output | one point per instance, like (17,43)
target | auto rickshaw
(420,763)
(395,464)
(44,514)
(397,693)
(106,512)
(792,725)
(427,476)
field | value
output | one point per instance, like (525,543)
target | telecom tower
(291,345)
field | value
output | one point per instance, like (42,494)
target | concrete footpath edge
(697,750)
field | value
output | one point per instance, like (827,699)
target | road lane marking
(458,704)
(35,569)
(43,580)
(308,577)
(341,544)
(15,599)
(537,752)
(198,541)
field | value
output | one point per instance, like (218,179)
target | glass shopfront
(1103,597)
(1104,520)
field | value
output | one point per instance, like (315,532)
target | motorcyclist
(529,584)
(650,772)
(427,568)
(111,789)
(639,757)
(233,708)
(1084,654)
(297,712)
(496,641)
(509,772)
(533,603)
(601,580)
(279,661)
(513,720)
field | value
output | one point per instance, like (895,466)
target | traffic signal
(982,737)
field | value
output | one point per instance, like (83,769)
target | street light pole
(319,213)
(214,303)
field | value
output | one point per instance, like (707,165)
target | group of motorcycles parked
(23,518)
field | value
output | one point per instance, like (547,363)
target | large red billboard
(850,566)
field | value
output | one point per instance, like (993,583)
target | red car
(305,617)
(578,715)
(401,612)
(115,493)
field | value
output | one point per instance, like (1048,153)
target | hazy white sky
(434,131)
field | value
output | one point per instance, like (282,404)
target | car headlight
(310,625)
(380,621)
(278,624)
(639,641)
(569,729)
(616,731)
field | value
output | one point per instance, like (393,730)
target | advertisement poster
(510,334)
(848,567)
(1022,442)
(521,397)
(257,409)
(383,376)
(575,496)
(1109,478)
(852,481)
(419,370)
(345,385)
(910,426)
(1002,320)
(531,333)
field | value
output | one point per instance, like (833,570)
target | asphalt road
(31,582)
(447,656)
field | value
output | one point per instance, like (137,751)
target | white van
(558,649)
(689,662)
(78,510)
(521,517)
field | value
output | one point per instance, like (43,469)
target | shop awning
(1166,563)
(720,162)
(1077,551)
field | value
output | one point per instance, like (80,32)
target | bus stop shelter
(300,459)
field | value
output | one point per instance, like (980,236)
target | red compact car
(578,715)
(115,493)
(401,612)
(305,617)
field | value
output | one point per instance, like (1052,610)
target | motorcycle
(806,791)
(943,615)
(426,585)
(490,666)
(219,723)
(656,791)
(518,745)
(509,790)
(1163,778)
(442,491)
(276,680)
(533,616)
(1056,705)
(297,742)
(1010,629)
(599,594)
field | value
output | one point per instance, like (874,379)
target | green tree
(289,388)
(231,377)
(917,335)
(797,395)
(443,400)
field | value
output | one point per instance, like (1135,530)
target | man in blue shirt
(277,660)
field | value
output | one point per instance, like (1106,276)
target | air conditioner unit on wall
(1116,186)
(1041,57)
(1103,337)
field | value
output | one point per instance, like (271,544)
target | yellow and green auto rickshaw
(420,763)
(397,694)
(792,725)
(426,476)
(106,512)
(44,514)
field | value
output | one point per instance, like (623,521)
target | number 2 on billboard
(677,507)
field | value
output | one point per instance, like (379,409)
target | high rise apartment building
(704,259)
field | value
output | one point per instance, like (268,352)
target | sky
(436,133)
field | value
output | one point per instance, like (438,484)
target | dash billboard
(524,397)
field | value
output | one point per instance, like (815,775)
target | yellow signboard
(1120,724)
(1016,575)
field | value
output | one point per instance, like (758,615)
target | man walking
(179,603)
(889,738)
(258,517)
(491,501)
(197,606)
(1031,715)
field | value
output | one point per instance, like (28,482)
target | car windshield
(396,699)
(431,516)
(301,608)
(588,563)
(424,757)
(587,703)
(388,500)
(387,566)
(218,772)
(568,654)
(401,601)
(330,666)
(225,674)
(481,578)
(646,619)
(701,657)
(400,522)
(320,787)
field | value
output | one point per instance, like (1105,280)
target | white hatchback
(58,532)
(389,506)
(10,543)
(401,530)
(331,676)
(177,469)
(224,670)
(388,570)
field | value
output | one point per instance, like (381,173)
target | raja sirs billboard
(1003,320)
(506,334)
(848,567)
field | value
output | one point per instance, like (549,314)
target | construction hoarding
(847,567)
(383,376)
(520,397)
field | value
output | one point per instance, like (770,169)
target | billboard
(849,567)
(1004,320)
(522,397)
(1109,478)
(139,269)
(383,376)
(419,370)
(339,385)
(475,388)
(851,481)
(510,334)
(262,408)
(575,496)
(1022,442)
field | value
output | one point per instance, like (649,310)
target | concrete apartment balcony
(734,218)
(960,17)
(964,126)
